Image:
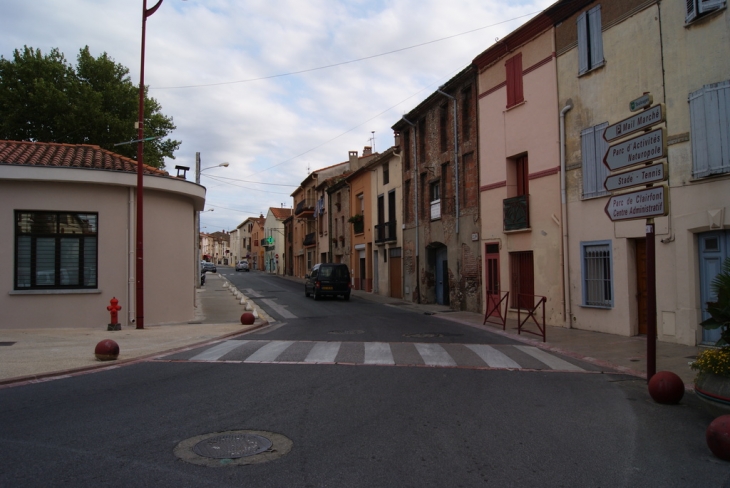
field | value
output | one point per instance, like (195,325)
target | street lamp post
(197,215)
(139,305)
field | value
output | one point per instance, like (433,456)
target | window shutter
(596,40)
(691,10)
(710,124)
(582,43)
(514,80)
(594,148)
(709,5)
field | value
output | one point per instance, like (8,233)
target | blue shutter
(709,5)
(691,10)
(594,148)
(596,34)
(710,125)
(582,43)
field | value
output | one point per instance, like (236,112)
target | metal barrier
(494,308)
(531,313)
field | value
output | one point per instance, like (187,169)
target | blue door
(714,249)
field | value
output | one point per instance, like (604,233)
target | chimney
(353,159)
(367,151)
(396,138)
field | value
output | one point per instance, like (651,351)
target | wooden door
(395,272)
(641,294)
(491,278)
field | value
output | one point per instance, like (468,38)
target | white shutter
(582,43)
(710,124)
(691,10)
(709,5)
(588,150)
(596,40)
(700,166)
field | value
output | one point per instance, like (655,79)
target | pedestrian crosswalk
(475,356)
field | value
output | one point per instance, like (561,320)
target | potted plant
(355,219)
(712,384)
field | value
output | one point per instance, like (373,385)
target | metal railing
(310,239)
(516,212)
(524,302)
(494,308)
(385,232)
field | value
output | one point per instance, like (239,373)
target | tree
(44,98)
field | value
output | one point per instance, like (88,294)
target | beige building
(608,55)
(273,241)
(69,216)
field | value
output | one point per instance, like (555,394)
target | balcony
(305,209)
(385,232)
(268,242)
(358,227)
(310,239)
(516,213)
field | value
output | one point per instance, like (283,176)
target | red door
(491,279)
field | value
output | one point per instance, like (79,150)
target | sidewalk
(40,354)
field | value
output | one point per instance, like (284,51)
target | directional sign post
(642,120)
(640,204)
(637,150)
(645,175)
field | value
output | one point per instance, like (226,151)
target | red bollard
(113,309)
(106,350)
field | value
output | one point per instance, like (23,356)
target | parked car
(208,267)
(328,279)
(242,266)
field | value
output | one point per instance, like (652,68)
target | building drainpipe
(567,308)
(415,199)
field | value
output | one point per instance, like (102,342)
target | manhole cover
(232,446)
(347,332)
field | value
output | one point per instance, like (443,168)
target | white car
(242,266)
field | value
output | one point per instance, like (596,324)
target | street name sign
(635,123)
(637,177)
(637,150)
(641,204)
(641,102)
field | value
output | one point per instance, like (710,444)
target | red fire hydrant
(113,309)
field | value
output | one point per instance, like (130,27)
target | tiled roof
(82,156)
(280,213)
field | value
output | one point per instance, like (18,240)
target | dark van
(328,279)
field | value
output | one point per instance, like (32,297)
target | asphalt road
(352,424)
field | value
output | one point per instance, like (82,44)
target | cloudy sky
(276,88)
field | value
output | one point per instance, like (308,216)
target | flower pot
(714,392)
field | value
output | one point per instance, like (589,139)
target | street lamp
(139,300)
(197,215)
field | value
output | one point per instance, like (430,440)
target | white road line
(493,357)
(323,352)
(378,353)
(279,309)
(269,352)
(217,352)
(549,359)
(434,355)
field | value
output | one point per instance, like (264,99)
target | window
(55,250)
(593,149)
(443,127)
(709,109)
(422,140)
(407,201)
(522,176)
(406,151)
(696,8)
(514,80)
(596,274)
(590,40)
(466,114)
(386,174)
(445,187)
(435,200)
(469,181)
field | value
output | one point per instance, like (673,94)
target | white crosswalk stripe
(269,352)
(481,356)
(549,359)
(378,353)
(323,352)
(492,357)
(434,355)
(218,351)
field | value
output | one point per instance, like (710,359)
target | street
(368,395)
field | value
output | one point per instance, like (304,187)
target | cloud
(272,130)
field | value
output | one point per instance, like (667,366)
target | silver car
(242,266)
